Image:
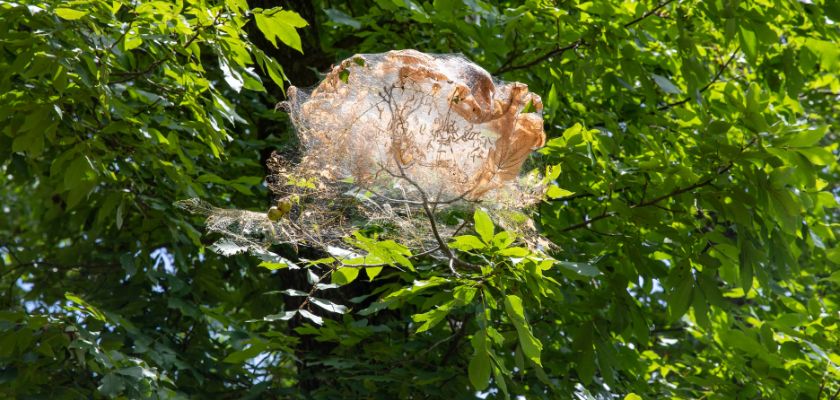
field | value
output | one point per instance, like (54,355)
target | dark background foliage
(694,208)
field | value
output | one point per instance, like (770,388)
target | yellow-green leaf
(69,13)
(483,225)
(281,25)
(531,346)
(344,275)
(555,192)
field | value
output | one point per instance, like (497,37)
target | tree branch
(507,66)
(705,182)
(127,76)
(648,14)
(552,53)
(586,222)
(426,205)
(707,86)
(314,288)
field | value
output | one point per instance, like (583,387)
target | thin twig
(647,14)
(315,287)
(705,182)
(393,200)
(463,224)
(556,52)
(122,36)
(127,76)
(507,66)
(432,222)
(707,86)
(425,253)
(452,267)
(586,222)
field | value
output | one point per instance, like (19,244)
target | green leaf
(281,25)
(31,142)
(826,51)
(341,18)
(431,318)
(294,292)
(718,127)
(572,131)
(586,365)
(111,385)
(478,369)
(252,351)
(680,293)
(748,44)
(531,346)
(580,270)
(78,170)
(273,265)
(515,252)
(135,372)
(742,341)
(835,276)
(344,275)
(132,41)
(86,308)
(118,219)
(328,305)
(78,193)
(275,71)
(284,316)
(818,155)
(555,192)
(232,77)
(805,137)
(372,272)
(665,84)
(69,14)
(312,317)
(483,226)
(784,205)
(499,375)
(467,243)
(463,295)
(503,239)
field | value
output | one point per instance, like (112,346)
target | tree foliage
(693,206)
